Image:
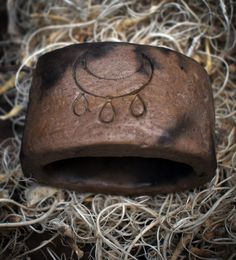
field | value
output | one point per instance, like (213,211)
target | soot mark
(101,49)
(144,70)
(171,134)
(183,61)
(155,63)
(165,51)
(52,66)
(53,74)
(143,49)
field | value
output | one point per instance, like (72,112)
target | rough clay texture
(119,100)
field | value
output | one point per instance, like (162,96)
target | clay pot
(119,118)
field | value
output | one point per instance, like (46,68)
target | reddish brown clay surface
(119,118)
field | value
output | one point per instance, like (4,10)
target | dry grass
(196,224)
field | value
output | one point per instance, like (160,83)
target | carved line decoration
(107,113)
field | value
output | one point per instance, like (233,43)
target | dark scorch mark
(101,49)
(142,49)
(165,51)
(52,66)
(183,61)
(172,133)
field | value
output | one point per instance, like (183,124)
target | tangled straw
(197,224)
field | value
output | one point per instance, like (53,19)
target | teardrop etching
(137,106)
(80,105)
(107,112)
(127,72)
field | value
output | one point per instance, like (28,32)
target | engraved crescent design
(115,86)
